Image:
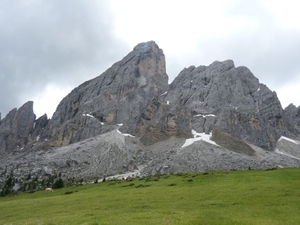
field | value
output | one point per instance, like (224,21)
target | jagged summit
(135,92)
(116,96)
(133,87)
(146,46)
(18,129)
(130,117)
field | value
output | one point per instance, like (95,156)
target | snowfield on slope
(199,137)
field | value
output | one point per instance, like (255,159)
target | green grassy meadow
(236,197)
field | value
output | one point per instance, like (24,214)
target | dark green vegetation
(14,186)
(237,197)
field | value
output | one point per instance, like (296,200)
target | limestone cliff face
(134,92)
(17,127)
(219,95)
(232,99)
(292,115)
(117,96)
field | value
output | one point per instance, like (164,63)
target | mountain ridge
(149,121)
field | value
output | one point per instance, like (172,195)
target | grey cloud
(68,42)
(58,42)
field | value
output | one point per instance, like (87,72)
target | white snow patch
(258,89)
(34,125)
(88,115)
(120,124)
(38,137)
(287,139)
(164,93)
(102,123)
(168,102)
(126,135)
(191,81)
(233,106)
(199,137)
(198,115)
(282,153)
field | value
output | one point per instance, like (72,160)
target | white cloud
(289,92)
(49,99)
(286,13)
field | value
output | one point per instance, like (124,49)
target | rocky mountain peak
(116,96)
(215,117)
(134,92)
(146,47)
(15,128)
(292,115)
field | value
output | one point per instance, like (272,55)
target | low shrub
(143,185)
(128,185)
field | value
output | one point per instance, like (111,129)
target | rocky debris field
(118,156)
(130,121)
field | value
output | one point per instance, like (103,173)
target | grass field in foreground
(236,197)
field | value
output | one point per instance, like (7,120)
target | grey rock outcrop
(16,127)
(19,128)
(116,96)
(232,99)
(292,115)
(39,126)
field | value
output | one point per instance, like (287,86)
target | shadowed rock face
(292,115)
(116,96)
(16,127)
(19,128)
(219,95)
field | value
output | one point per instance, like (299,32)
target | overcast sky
(48,47)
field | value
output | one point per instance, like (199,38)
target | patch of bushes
(128,185)
(180,174)
(154,178)
(274,168)
(69,192)
(58,184)
(143,185)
